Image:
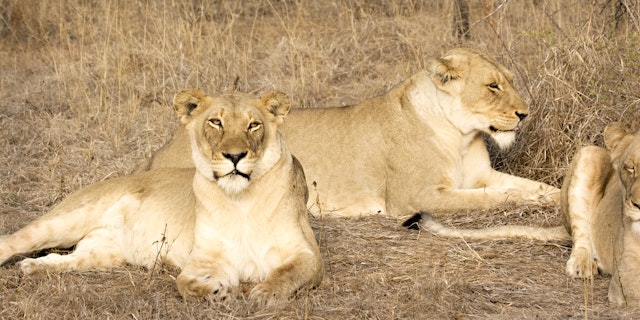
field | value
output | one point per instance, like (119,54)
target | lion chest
(253,236)
(453,161)
(254,254)
(475,165)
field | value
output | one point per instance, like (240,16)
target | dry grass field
(85,91)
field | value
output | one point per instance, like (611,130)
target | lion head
(235,135)
(625,156)
(489,101)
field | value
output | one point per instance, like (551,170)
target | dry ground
(84,92)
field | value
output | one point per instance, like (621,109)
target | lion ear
(614,134)
(276,103)
(446,70)
(188,104)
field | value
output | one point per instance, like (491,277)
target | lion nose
(521,116)
(235,157)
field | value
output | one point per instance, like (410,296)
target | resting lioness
(601,207)
(239,216)
(600,203)
(418,147)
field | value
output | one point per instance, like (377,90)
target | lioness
(600,204)
(601,210)
(240,215)
(417,147)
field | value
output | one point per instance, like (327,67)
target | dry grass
(84,91)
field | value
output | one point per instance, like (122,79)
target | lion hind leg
(68,223)
(98,249)
(49,231)
(584,188)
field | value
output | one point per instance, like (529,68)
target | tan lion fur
(418,147)
(239,216)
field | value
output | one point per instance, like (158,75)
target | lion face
(625,152)
(489,101)
(235,135)
(629,171)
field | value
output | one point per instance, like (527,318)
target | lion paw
(52,261)
(540,197)
(204,286)
(553,196)
(266,294)
(581,265)
(29,266)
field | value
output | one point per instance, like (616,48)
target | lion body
(418,147)
(239,216)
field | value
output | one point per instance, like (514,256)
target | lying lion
(600,204)
(239,216)
(419,147)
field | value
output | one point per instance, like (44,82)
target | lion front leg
(583,188)
(523,189)
(282,282)
(624,288)
(447,199)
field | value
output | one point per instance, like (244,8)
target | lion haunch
(239,216)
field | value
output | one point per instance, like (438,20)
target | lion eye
(255,125)
(216,123)
(494,86)
(630,169)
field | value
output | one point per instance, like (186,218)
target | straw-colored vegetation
(85,88)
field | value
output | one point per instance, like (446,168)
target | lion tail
(426,221)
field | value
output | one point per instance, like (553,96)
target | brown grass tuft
(84,92)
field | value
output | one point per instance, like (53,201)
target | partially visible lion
(415,148)
(600,203)
(601,209)
(239,216)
